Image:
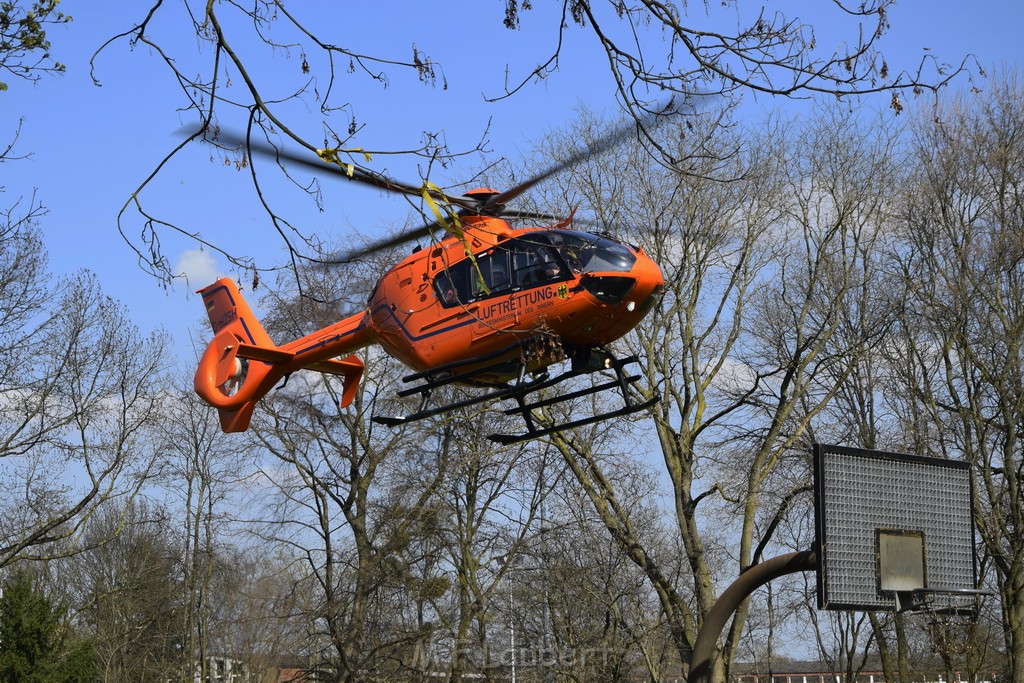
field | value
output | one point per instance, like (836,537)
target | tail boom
(241,363)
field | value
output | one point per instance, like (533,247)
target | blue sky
(91,146)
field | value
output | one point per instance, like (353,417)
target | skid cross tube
(621,380)
(714,623)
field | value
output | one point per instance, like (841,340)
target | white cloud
(197,268)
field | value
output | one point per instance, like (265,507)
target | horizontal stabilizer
(264,354)
(350,368)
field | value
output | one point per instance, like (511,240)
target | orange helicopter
(487,305)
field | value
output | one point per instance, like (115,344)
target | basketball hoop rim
(921,600)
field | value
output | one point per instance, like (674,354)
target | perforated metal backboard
(888,524)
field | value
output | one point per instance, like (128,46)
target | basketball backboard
(891,527)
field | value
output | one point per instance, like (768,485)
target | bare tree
(768,247)
(339,503)
(962,366)
(260,601)
(126,592)
(491,500)
(79,390)
(732,47)
(201,470)
(586,611)
(650,48)
(224,84)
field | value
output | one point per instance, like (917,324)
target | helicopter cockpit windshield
(587,253)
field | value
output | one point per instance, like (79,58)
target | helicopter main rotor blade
(480,204)
(348,172)
(428,230)
(530,215)
(493,205)
(381,245)
(599,146)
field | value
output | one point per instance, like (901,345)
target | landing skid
(521,390)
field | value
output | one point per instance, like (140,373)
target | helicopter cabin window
(535,262)
(517,264)
(493,277)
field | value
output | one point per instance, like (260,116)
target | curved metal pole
(753,578)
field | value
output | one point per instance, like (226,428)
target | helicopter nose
(609,289)
(651,299)
(649,278)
